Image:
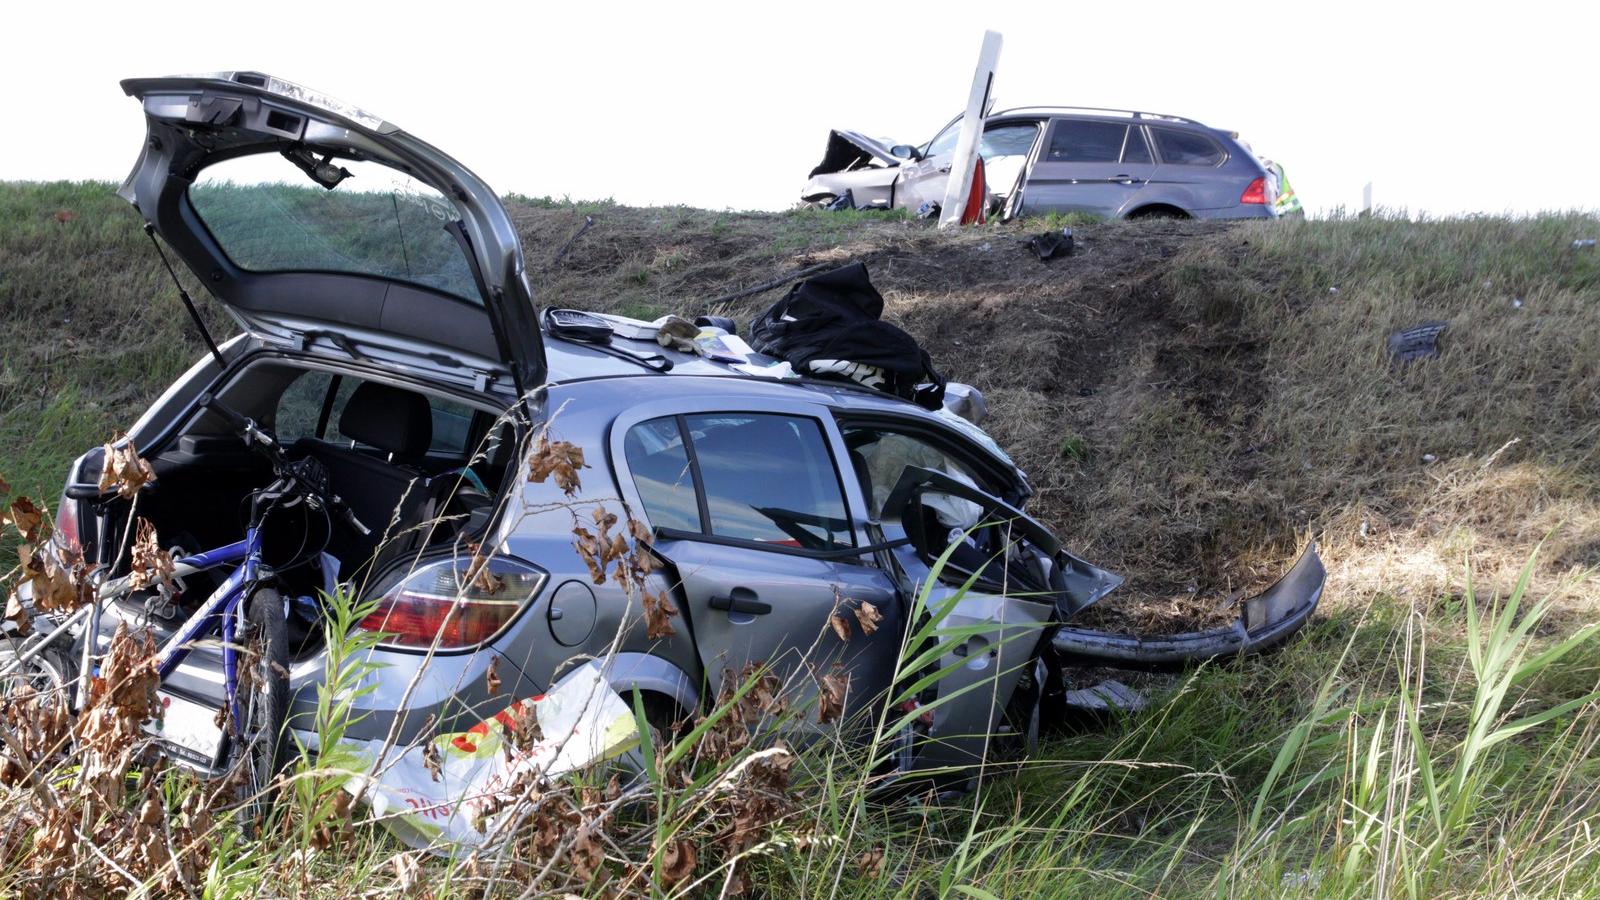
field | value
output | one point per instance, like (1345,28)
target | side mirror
(905,151)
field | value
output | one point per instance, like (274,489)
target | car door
(1004,147)
(926,490)
(313,221)
(1188,176)
(1087,165)
(752,516)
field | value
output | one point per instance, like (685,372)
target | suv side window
(1077,141)
(1137,151)
(1185,148)
(770,479)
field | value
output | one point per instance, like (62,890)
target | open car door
(312,220)
(1018,592)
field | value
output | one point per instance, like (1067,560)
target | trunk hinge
(188,302)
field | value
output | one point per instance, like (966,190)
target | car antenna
(188,302)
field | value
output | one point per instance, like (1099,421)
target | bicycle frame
(219,614)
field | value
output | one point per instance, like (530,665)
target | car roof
(572,362)
(1092,112)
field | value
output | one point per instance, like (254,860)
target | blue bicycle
(246,612)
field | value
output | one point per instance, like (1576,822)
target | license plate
(190,728)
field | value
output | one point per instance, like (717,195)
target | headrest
(391,419)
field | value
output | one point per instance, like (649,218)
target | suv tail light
(1256,193)
(438,602)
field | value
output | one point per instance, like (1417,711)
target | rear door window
(769,479)
(1185,148)
(1136,150)
(659,462)
(1080,142)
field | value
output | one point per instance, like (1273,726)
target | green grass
(1188,410)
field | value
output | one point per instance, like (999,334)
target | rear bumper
(1268,620)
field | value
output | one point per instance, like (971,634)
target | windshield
(269,217)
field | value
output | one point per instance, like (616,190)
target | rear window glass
(300,414)
(1008,140)
(269,217)
(1072,141)
(770,479)
(1185,148)
(659,464)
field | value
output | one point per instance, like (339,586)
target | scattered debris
(1583,244)
(1516,302)
(1107,696)
(1050,244)
(1429,458)
(928,210)
(1417,342)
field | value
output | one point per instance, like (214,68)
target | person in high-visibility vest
(1286,203)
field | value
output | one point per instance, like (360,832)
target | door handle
(741,600)
(1124,179)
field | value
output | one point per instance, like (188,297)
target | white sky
(1455,108)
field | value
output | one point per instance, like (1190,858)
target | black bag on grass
(830,325)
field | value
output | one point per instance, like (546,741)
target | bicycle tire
(264,699)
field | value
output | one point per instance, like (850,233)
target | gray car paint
(1111,190)
(591,398)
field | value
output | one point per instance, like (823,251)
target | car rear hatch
(320,225)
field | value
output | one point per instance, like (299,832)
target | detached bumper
(1268,620)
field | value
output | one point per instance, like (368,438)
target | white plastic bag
(581,722)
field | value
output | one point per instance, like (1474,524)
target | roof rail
(1133,113)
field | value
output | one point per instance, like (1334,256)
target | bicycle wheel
(264,699)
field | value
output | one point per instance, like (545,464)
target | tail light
(1256,193)
(446,603)
(67,535)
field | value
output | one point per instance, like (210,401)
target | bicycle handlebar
(259,438)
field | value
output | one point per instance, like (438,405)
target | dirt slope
(1191,401)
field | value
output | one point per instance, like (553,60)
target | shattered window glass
(1185,148)
(1077,142)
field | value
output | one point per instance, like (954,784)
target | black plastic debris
(1416,342)
(1051,244)
(928,210)
(845,200)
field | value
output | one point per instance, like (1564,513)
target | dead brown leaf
(870,863)
(491,677)
(478,574)
(677,861)
(432,760)
(841,626)
(658,613)
(558,460)
(868,617)
(124,469)
(151,565)
(831,689)
(28,519)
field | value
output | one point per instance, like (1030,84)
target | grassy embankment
(1192,402)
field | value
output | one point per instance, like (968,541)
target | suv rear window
(1073,141)
(1185,148)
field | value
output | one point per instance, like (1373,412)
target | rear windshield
(269,217)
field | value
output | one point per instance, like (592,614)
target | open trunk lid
(411,252)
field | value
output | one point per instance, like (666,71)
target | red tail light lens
(1256,193)
(438,603)
(66,535)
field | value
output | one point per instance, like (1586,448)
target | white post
(966,150)
(1366,198)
